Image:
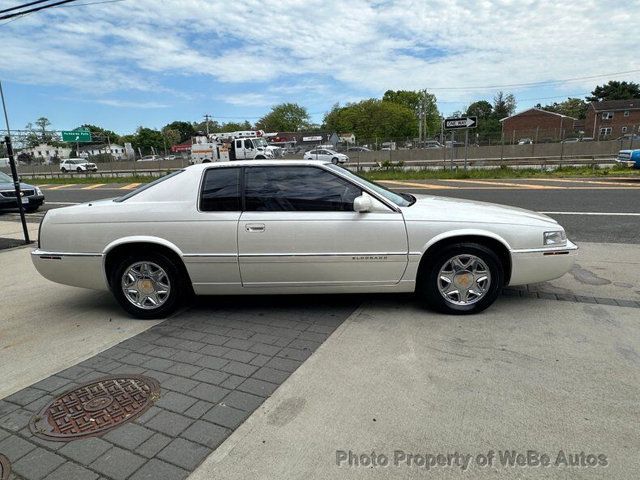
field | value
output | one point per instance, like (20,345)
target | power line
(35,9)
(534,84)
(24,5)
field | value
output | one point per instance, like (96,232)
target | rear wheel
(63,170)
(462,278)
(78,169)
(147,285)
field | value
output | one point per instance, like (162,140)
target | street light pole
(14,171)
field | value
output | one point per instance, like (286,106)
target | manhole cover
(96,407)
(5,468)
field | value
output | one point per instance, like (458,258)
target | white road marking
(603,214)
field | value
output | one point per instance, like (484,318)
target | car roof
(254,163)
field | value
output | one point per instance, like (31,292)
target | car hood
(446,209)
(9,186)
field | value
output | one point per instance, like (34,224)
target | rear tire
(63,170)
(141,280)
(79,170)
(461,279)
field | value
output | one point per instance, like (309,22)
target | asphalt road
(591,210)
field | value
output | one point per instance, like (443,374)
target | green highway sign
(76,136)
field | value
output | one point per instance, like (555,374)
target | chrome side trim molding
(42,253)
(359,255)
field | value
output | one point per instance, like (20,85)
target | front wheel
(147,285)
(462,278)
(79,170)
(334,160)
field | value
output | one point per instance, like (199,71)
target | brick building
(613,118)
(538,125)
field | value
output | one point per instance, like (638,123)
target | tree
(42,123)
(572,107)
(148,140)
(185,130)
(40,134)
(615,90)
(481,109)
(373,118)
(503,105)
(285,117)
(414,100)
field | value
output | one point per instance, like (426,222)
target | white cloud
(338,49)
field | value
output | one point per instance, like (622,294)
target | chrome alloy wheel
(146,285)
(464,279)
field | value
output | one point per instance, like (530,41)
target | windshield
(259,142)
(4,178)
(397,198)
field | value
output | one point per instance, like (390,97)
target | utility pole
(206,118)
(14,171)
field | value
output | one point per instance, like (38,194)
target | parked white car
(273,227)
(326,155)
(77,165)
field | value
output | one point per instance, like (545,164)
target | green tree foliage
(147,140)
(413,100)
(40,134)
(572,107)
(184,130)
(504,105)
(285,117)
(615,90)
(373,118)
(481,109)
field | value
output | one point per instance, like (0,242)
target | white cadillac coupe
(275,227)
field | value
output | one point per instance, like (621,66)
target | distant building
(613,118)
(348,138)
(46,152)
(538,125)
(116,151)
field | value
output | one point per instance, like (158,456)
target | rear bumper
(83,270)
(541,264)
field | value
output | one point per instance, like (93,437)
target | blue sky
(148,62)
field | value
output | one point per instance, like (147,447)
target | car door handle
(254,227)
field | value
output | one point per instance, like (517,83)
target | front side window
(221,190)
(300,189)
(248,145)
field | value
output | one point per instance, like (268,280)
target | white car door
(298,228)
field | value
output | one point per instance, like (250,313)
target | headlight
(555,238)
(38,191)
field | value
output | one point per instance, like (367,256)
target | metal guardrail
(520,162)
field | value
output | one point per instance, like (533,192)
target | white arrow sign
(461,122)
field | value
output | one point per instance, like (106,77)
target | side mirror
(362,204)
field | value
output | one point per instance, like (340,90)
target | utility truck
(230,146)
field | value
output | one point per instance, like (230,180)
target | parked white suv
(326,155)
(77,165)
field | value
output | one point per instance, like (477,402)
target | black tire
(334,160)
(260,157)
(176,281)
(427,287)
(63,170)
(79,170)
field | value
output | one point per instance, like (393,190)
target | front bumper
(85,270)
(541,264)
(10,202)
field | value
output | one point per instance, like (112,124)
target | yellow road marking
(415,184)
(131,186)
(60,187)
(91,187)
(577,180)
(508,184)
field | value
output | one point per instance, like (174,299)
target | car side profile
(273,227)
(326,155)
(32,197)
(77,165)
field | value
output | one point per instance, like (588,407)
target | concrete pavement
(46,327)
(526,375)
